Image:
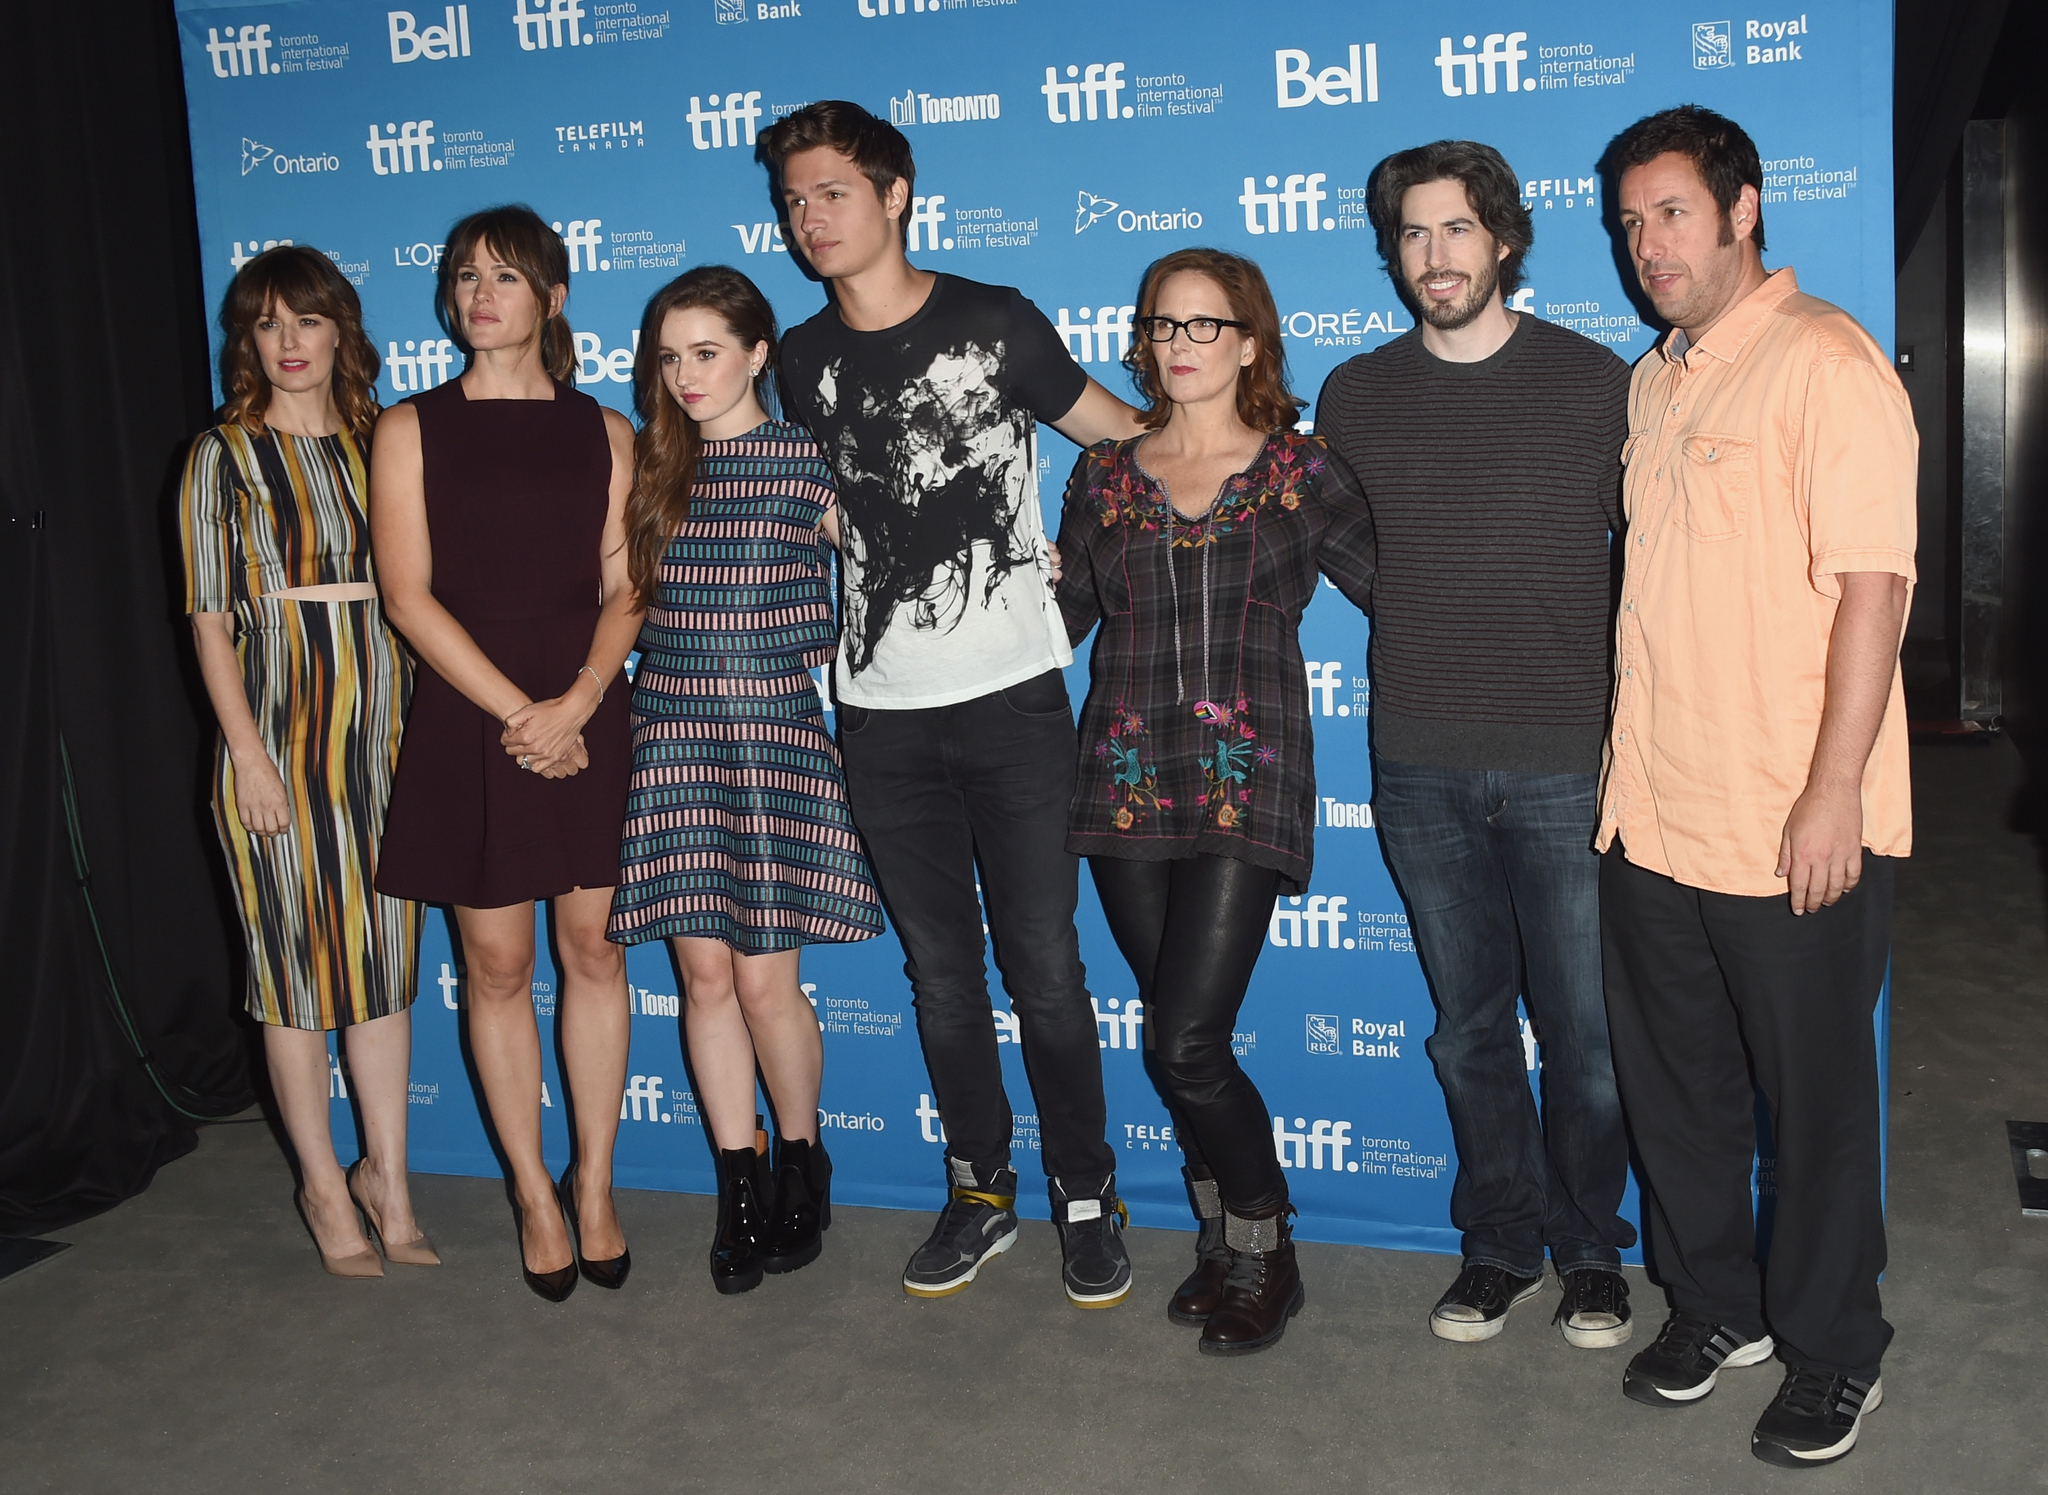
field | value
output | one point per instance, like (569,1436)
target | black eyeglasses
(1198,329)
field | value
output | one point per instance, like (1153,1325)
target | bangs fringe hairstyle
(1264,401)
(519,237)
(666,449)
(305,280)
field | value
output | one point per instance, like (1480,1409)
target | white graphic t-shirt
(930,427)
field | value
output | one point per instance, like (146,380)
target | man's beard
(1449,316)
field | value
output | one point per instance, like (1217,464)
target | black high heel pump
(610,1273)
(555,1285)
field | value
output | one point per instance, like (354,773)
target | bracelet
(587,670)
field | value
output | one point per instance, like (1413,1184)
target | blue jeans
(1503,894)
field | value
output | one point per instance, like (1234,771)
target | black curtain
(1941,50)
(103,378)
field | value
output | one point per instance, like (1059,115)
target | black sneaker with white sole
(979,1221)
(1814,1418)
(1476,1307)
(1096,1267)
(1594,1312)
(1679,1367)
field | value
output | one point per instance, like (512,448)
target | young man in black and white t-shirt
(925,391)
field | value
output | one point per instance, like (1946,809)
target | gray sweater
(1495,490)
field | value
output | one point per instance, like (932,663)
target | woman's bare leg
(785,1038)
(303,1082)
(721,1048)
(597,1030)
(380,1069)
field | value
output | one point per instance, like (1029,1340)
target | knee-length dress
(737,827)
(517,492)
(327,684)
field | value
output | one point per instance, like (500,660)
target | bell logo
(434,44)
(551,23)
(726,120)
(1297,199)
(1105,340)
(242,54)
(582,239)
(1499,51)
(1298,87)
(1094,91)
(400,150)
(1289,919)
(642,1088)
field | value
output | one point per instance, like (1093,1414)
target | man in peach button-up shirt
(1755,791)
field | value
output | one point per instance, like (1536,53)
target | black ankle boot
(802,1209)
(1197,1297)
(1262,1291)
(742,1220)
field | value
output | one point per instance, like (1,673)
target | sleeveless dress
(327,684)
(516,497)
(737,827)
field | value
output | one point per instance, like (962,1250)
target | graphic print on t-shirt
(940,463)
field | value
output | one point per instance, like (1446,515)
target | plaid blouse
(1195,739)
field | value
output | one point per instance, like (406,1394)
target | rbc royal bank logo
(411,42)
(1502,53)
(1713,44)
(1092,94)
(1325,1034)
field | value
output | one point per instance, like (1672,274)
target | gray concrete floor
(189,1342)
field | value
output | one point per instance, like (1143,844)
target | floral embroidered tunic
(1195,739)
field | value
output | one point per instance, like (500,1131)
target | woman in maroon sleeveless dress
(497,505)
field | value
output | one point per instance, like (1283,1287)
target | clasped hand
(549,734)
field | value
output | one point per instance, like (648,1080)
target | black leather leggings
(1192,930)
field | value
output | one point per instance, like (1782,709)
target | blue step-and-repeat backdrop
(1061,146)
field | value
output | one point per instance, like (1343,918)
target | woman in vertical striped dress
(310,689)
(738,845)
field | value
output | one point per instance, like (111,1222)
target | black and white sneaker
(1477,1305)
(1814,1418)
(1594,1312)
(1097,1268)
(1680,1366)
(979,1221)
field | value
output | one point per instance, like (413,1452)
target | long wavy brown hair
(665,451)
(522,240)
(1264,401)
(305,280)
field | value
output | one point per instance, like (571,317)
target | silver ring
(522,761)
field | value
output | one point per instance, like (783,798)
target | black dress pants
(1192,930)
(938,793)
(1712,998)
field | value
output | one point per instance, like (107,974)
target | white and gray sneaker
(979,1221)
(1814,1418)
(1682,1364)
(1095,1266)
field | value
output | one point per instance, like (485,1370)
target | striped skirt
(328,685)
(736,826)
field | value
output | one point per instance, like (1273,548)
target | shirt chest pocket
(1717,485)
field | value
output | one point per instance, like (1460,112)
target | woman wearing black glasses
(1197,547)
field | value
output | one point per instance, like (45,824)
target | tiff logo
(447,979)
(241,54)
(1498,51)
(412,371)
(1308,1149)
(881,7)
(551,23)
(1099,86)
(1105,340)
(926,215)
(929,1126)
(1124,1028)
(1357,84)
(642,1088)
(397,152)
(726,119)
(761,238)
(1297,198)
(436,43)
(1285,927)
(242,256)
(582,239)
(1325,675)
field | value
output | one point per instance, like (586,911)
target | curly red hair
(1264,401)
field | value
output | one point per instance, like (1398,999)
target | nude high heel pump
(364,1263)
(417,1252)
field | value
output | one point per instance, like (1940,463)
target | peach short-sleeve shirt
(1776,453)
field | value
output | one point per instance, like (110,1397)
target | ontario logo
(1090,210)
(258,156)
